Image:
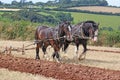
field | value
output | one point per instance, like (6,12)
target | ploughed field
(98,9)
(97,65)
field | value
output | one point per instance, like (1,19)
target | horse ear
(69,22)
(60,24)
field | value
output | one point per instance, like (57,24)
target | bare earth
(94,59)
(99,9)
(6,74)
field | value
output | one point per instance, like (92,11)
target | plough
(8,50)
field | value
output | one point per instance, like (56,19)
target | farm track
(57,70)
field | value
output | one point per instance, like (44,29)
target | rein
(82,37)
(38,41)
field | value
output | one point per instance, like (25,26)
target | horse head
(65,30)
(91,29)
(95,25)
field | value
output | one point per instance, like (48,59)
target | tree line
(57,3)
(35,16)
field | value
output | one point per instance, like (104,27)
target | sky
(110,2)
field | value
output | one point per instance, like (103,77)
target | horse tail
(36,34)
(37,38)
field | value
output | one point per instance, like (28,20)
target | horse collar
(81,31)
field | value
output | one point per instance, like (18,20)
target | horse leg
(53,55)
(84,51)
(55,45)
(58,56)
(56,53)
(66,44)
(44,51)
(37,51)
(77,46)
(77,43)
(76,51)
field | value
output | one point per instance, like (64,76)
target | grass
(43,13)
(104,20)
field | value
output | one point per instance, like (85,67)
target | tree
(22,1)
(1,3)
(103,3)
(64,1)
(14,2)
(29,3)
(69,3)
(64,16)
(50,3)
(56,1)
(39,4)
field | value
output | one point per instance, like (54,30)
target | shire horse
(81,33)
(45,36)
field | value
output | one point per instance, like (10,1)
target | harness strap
(38,41)
(80,34)
(81,31)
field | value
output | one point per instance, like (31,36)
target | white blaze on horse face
(69,28)
(70,34)
(95,36)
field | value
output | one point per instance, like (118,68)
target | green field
(104,20)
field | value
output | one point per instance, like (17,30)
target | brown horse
(46,36)
(81,33)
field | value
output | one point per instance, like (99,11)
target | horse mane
(89,21)
(78,24)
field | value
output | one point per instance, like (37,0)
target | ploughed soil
(56,70)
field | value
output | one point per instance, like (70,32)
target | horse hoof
(80,59)
(58,60)
(45,57)
(37,58)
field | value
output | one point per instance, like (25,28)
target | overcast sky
(110,2)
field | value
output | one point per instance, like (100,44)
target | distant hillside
(54,3)
(98,9)
(75,3)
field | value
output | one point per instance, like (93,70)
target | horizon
(110,2)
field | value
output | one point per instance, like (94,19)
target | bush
(108,38)
(64,17)
(29,15)
(113,38)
